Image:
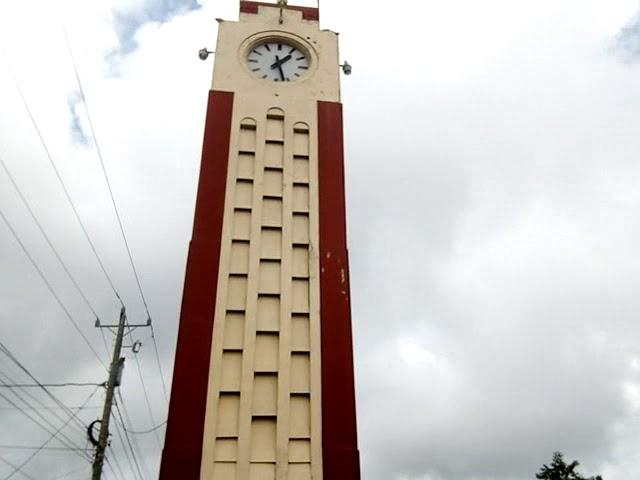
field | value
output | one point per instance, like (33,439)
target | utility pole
(115,374)
(114,371)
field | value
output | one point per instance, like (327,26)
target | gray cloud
(128,21)
(628,40)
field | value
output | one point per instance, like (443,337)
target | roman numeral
(255,69)
(267,47)
(300,58)
(303,67)
(292,50)
(256,52)
(253,61)
(279,46)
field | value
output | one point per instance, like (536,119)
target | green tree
(559,470)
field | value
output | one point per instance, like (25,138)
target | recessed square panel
(271,243)
(300,294)
(272,183)
(300,228)
(266,356)
(299,471)
(300,198)
(226,449)
(301,170)
(262,471)
(275,129)
(239,257)
(299,374)
(300,333)
(273,155)
(269,276)
(241,225)
(237,292)
(300,417)
(233,330)
(243,194)
(265,394)
(231,371)
(300,261)
(224,471)
(268,314)
(263,440)
(299,450)
(228,414)
(300,143)
(245,165)
(272,212)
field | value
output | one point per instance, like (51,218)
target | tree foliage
(560,470)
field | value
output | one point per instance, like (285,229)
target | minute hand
(280,61)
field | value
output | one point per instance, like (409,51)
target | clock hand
(279,65)
(280,61)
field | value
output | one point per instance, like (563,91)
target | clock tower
(263,384)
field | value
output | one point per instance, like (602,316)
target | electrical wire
(59,177)
(146,396)
(155,348)
(129,443)
(12,465)
(40,385)
(122,444)
(146,431)
(50,287)
(3,383)
(115,207)
(64,442)
(46,237)
(4,349)
(53,449)
(53,435)
(104,171)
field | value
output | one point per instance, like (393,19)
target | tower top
(308,13)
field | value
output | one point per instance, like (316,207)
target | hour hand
(280,61)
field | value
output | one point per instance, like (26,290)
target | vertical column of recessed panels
(233,329)
(299,447)
(264,409)
(266,368)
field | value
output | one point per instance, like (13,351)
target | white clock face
(278,61)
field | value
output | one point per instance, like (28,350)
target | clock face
(277,61)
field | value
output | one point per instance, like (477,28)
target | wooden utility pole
(114,371)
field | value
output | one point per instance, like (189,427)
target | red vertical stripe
(182,452)
(340,458)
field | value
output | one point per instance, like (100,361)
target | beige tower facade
(266,294)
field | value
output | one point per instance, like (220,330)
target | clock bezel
(274,36)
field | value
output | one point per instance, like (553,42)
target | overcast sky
(492,153)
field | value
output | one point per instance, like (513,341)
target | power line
(53,435)
(126,435)
(12,465)
(4,349)
(146,431)
(104,171)
(3,382)
(32,447)
(155,348)
(65,442)
(146,395)
(49,286)
(46,237)
(122,444)
(115,207)
(59,177)
(40,385)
